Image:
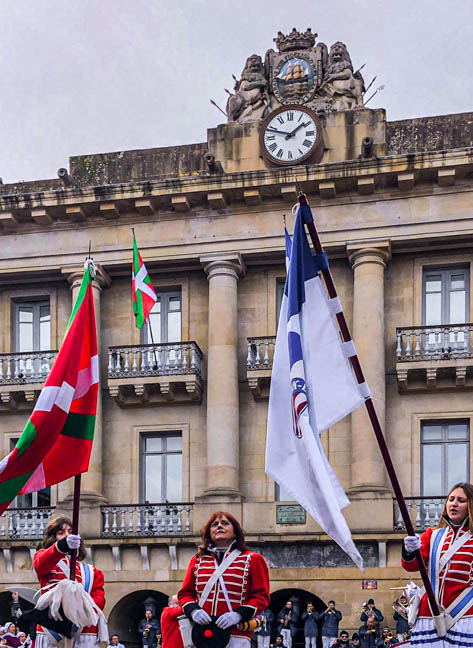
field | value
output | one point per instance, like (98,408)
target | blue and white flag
(312,387)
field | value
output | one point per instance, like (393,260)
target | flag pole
(345,331)
(75,523)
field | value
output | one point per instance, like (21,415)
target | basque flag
(312,387)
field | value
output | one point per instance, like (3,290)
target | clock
(290,134)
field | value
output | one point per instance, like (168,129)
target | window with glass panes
(281,494)
(32,326)
(38,498)
(280,283)
(445,455)
(446,296)
(165,318)
(161,468)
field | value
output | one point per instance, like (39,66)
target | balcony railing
(154,360)
(24,523)
(446,341)
(260,352)
(146,520)
(26,367)
(423,511)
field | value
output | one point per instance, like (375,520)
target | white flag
(312,387)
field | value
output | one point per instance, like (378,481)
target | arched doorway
(125,616)
(299,599)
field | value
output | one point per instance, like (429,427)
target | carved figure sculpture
(343,87)
(251,100)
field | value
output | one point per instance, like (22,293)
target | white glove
(411,543)
(228,619)
(200,616)
(73,541)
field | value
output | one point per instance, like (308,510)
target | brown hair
(205,532)
(468,490)
(50,535)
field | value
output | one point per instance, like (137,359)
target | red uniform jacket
(246,580)
(457,575)
(45,564)
(170,633)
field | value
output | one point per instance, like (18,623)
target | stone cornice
(397,175)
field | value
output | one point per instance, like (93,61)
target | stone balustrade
(155,373)
(146,520)
(24,523)
(434,342)
(423,511)
(259,363)
(434,357)
(26,367)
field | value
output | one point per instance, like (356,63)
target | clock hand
(292,133)
(273,130)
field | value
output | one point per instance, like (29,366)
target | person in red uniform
(170,633)
(51,564)
(244,584)
(448,552)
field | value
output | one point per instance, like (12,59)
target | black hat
(355,636)
(210,636)
(370,602)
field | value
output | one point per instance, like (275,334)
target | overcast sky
(92,76)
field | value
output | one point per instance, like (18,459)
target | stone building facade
(181,424)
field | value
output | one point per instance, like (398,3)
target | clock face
(290,135)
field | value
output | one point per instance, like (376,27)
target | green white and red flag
(57,440)
(144,295)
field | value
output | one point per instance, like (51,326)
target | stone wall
(437,133)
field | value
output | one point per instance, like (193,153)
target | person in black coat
(370,609)
(311,629)
(369,633)
(287,620)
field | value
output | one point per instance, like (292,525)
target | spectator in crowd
(369,633)
(11,635)
(400,617)
(147,629)
(171,635)
(311,629)
(369,609)
(263,633)
(25,640)
(287,620)
(15,607)
(330,621)
(387,638)
(355,640)
(115,642)
(279,641)
(343,641)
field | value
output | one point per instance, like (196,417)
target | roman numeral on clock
(272,147)
(290,116)
(289,155)
(279,154)
(309,133)
(268,138)
(307,143)
(280,119)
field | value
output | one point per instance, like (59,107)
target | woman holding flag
(448,551)
(52,565)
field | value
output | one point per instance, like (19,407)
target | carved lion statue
(344,87)
(251,100)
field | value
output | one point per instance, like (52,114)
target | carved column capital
(74,276)
(369,252)
(217,263)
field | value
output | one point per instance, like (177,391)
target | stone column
(91,485)
(369,261)
(223,452)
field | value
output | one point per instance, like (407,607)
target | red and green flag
(144,295)
(57,440)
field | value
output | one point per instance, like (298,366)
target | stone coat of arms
(300,72)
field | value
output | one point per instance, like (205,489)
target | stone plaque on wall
(290,514)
